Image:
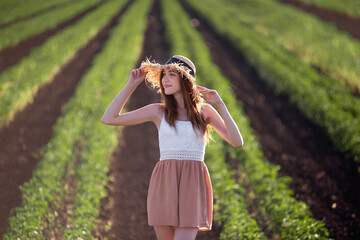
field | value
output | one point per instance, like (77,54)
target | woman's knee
(185,233)
(164,232)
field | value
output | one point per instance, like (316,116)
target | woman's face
(171,82)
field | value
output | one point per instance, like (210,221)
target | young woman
(180,197)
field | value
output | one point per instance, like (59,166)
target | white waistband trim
(184,155)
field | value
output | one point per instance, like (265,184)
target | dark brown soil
(328,181)
(12,54)
(23,139)
(132,163)
(343,21)
(137,154)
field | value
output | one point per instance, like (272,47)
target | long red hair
(192,101)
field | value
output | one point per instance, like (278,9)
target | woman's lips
(167,86)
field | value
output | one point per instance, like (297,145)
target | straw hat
(181,64)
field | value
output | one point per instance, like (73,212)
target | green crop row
(81,118)
(349,7)
(230,208)
(11,10)
(323,100)
(113,66)
(21,30)
(19,83)
(292,219)
(317,43)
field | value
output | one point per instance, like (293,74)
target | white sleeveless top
(181,144)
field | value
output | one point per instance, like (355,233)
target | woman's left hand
(210,96)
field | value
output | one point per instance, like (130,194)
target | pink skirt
(180,195)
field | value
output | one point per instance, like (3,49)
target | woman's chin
(168,92)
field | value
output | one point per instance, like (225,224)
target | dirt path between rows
(24,138)
(136,156)
(343,21)
(12,54)
(326,180)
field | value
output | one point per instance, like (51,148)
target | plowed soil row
(12,54)
(24,138)
(137,154)
(343,21)
(328,181)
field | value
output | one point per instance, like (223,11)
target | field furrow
(349,7)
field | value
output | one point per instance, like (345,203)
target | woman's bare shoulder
(205,106)
(206,109)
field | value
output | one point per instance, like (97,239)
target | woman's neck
(181,109)
(180,101)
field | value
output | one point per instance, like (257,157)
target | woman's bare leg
(164,232)
(185,233)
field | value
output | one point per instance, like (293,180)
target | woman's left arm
(223,124)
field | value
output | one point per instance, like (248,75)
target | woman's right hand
(137,76)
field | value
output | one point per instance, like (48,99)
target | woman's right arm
(113,115)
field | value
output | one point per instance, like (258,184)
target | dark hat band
(179,61)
